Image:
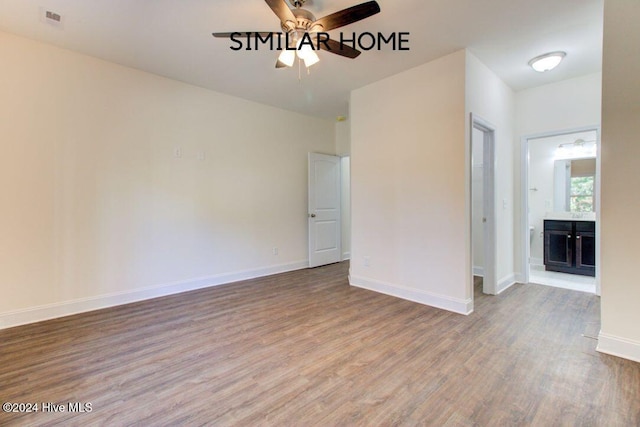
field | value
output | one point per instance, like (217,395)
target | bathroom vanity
(570,246)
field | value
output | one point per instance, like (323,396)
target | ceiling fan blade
(281,10)
(244,33)
(348,16)
(339,49)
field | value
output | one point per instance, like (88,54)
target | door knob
(312,215)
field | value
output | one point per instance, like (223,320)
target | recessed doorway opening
(560,209)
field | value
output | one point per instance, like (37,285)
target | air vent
(52,16)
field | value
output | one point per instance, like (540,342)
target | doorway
(560,187)
(483,227)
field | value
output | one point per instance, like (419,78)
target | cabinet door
(558,249)
(586,251)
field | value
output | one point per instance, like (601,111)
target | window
(581,193)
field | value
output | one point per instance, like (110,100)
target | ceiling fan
(299,24)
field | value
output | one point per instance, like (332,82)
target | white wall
(97,210)
(541,177)
(490,98)
(620,333)
(569,104)
(408,188)
(343,138)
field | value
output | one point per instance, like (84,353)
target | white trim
(505,283)
(519,278)
(346,256)
(80,305)
(597,207)
(478,271)
(617,346)
(524,208)
(427,298)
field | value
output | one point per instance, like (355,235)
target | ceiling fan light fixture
(287,57)
(310,58)
(547,62)
(306,53)
(299,26)
(302,50)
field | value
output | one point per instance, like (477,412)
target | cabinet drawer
(586,226)
(550,224)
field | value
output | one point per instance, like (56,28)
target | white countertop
(571,216)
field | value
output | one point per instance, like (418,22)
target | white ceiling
(173,38)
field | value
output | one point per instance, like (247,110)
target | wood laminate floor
(304,348)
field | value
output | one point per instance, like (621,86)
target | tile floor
(574,282)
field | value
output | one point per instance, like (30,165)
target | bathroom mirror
(574,185)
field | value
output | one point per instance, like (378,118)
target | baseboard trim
(505,283)
(619,347)
(346,256)
(478,271)
(81,305)
(444,302)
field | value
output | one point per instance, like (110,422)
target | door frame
(490,280)
(524,198)
(345,219)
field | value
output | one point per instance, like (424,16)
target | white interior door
(324,209)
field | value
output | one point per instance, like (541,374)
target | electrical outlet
(367,261)
(177,152)
(202,156)
(275,251)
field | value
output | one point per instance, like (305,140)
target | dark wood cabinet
(570,247)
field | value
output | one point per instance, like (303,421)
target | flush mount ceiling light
(547,62)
